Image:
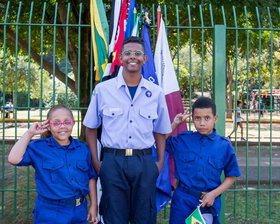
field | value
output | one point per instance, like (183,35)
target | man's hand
(97,165)
(159,166)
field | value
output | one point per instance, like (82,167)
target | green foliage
(59,96)
(22,76)
(195,70)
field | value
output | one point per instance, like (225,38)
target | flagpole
(158,18)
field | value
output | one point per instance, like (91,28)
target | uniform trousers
(56,212)
(128,189)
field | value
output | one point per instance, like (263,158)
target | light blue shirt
(126,122)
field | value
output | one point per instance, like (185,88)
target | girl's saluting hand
(39,127)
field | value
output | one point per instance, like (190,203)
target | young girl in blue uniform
(200,157)
(64,174)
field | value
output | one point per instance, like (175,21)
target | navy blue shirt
(200,159)
(60,172)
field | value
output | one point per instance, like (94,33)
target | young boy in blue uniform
(200,157)
(64,174)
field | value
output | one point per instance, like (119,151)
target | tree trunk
(85,75)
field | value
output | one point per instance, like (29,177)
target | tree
(18,71)
(66,39)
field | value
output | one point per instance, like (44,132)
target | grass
(257,207)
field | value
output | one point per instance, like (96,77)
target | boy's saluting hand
(181,117)
(178,119)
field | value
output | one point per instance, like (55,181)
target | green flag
(100,36)
(195,217)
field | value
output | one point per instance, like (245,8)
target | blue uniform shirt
(200,159)
(127,122)
(60,172)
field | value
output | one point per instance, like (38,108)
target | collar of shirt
(143,82)
(212,136)
(53,143)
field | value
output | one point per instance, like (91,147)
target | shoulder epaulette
(38,140)
(225,138)
(187,133)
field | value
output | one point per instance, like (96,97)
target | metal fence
(227,53)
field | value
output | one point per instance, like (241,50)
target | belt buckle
(203,194)
(78,201)
(128,152)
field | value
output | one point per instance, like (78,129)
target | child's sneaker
(243,140)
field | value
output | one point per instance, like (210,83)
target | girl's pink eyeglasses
(58,124)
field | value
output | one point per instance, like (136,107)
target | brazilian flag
(195,217)
(100,36)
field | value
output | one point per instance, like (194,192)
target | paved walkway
(261,162)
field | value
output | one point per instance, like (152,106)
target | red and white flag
(168,82)
(120,38)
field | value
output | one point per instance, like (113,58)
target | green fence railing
(229,53)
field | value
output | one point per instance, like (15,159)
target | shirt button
(69,164)
(201,157)
(198,170)
(129,137)
(130,121)
(131,105)
(203,145)
(113,114)
(198,182)
(72,178)
(149,116)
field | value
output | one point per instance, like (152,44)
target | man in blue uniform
(200,157)
(134,116)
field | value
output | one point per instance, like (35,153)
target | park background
(227,50)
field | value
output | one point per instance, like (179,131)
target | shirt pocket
(82,172)
(54,168)
(148,116)
(112,112)
(111,117)
(215,168)
(186,163)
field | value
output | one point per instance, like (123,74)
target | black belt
(68,201)
(129,152)
(198,194)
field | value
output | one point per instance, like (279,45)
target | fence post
(219,86)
